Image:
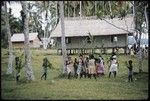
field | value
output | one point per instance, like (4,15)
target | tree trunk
(95,7)
(10,60)
(134,21)
(68,7)
(140,52)
(103,7)
(74,10)
(134,14)
(28,66)
(56,11)
(145,13)
(63,35)
(110,8)
(80,9)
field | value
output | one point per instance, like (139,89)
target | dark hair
(80,55)
(91,56)
(130,61)
(45,59)
(75,59)
(87,58)
(17,58)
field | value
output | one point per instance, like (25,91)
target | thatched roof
(19,37)
(81,27)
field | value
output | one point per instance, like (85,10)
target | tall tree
(146,18)
(110,8)
(80,9)
(139,19)
(10,60)
(74,8)
(46,18)
(95,3)
(63,35)
(25,18)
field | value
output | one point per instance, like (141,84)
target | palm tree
(146,18)
(75,3)
(63,35)
(110,8)
(25,18)
(95,3)
(80,9)
(10,60)
(46,17)
(88,8)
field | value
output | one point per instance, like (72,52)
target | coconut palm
(88,8)
(61,9)
(10,60)
(25,18)
(47,18)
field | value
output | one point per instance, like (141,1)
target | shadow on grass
(25,81)
(22,81)
(7,77)
(8,90)
(61,76)
(45,54)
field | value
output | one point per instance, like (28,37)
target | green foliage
(15,27)
(139,14)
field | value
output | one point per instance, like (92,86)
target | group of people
(84,66)
(134,50)
(90,66)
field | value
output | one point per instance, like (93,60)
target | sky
(16,8)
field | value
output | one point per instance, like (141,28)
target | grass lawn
(62,88)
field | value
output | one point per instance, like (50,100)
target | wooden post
(69,51)
(104,50)
(73,51)
(125,50)
(57,51)
(60,51)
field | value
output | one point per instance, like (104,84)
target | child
(18,68)
(92,67)
(101,66)
(130,73)
(83,67)
(87,66)
(80,65)
(69,66)
(97,66)
(75,65)
(45,65)
(113,67)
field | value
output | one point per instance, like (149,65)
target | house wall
(33,44)
(18,44)
(81,42)
(36,43)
